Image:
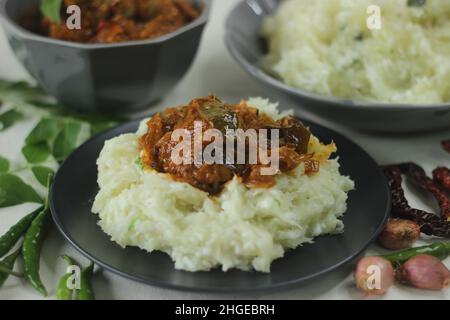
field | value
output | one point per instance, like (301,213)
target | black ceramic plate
(75,187)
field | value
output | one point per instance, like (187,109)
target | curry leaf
(19,92)
(14,191)
(45,131)
(4,165)
(98,122)
(36,153)
(43,104)
(52,9)
(102,126)
(20,86)
(416,3)
(66,141)
(8,118)
(221,117)
(42,173)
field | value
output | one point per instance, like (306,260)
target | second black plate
(75,187)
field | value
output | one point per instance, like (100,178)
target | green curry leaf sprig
(57,132)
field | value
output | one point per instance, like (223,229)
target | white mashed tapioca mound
(326,47)
(244,228)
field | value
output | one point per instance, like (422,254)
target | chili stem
(10,272)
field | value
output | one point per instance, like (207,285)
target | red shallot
(399,234)
(374,275)
(424,272)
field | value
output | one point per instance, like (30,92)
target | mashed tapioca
(326,47)
(242,227)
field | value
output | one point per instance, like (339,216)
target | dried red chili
(441,177)
(418,174)
(446,145)
(429,223)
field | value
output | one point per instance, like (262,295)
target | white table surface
(215,71)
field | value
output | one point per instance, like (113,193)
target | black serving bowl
(118,77)
(244,41)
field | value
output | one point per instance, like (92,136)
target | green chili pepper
(32,244)
(31,251)
(64,292)
(86,292)
(9,239)
(439,250)
(8,264)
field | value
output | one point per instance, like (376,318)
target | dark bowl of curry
(126,55)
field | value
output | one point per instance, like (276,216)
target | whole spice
(8,263)
(64,292)
(424,272)
(440,250)
(429,223)
(374,275)
(441,177)
(399,234)
(446,145)
(32,244)
(9,239)
(420,177)
(86,292)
